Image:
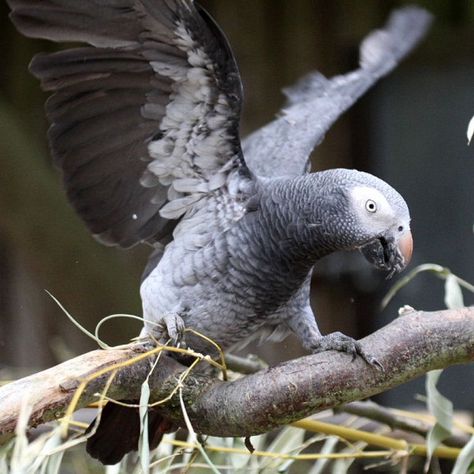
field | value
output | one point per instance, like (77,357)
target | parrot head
(341,209)
(382,215)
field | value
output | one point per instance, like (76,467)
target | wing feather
(144,120)
(283,147)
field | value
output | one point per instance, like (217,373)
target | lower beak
(392,255)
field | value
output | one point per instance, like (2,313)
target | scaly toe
(342,343)
(170,329)
(174,328)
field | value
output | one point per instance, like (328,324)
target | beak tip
(406,247)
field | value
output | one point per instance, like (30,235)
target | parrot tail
(118,432)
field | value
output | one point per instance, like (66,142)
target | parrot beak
(390,253)
(405,246)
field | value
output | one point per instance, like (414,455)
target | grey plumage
(145,128)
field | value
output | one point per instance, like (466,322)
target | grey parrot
(145,129)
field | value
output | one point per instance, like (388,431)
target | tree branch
(408,347)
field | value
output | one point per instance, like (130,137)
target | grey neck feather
(300,220)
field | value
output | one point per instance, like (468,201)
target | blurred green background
(410,130)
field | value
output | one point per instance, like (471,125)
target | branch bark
(408,347)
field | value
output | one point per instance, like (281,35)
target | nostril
(400,228)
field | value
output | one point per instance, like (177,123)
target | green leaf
(51,463)
(81,328)
(453,298)
(427,267)
(217,457)
(342,466)
(470,130)
(437,270)
(329,447)
(191,431)
(54,463)
(442,409)
(465,458)
(240,462)
(4,452)
(20,455)
(287,441)
(143,445)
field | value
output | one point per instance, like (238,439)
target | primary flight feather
(145,128)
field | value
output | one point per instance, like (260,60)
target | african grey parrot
(145,128)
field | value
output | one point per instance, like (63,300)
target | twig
(373,439)
(298,457)
(244,365)
(373,411)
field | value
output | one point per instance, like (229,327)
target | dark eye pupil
(370,206)
(400,228)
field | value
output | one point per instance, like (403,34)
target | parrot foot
(171,326)
(337,341)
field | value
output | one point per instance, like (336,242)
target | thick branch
(408,347)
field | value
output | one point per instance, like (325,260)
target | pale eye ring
(371,206)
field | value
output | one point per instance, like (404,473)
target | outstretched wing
(144,121)
(283,146)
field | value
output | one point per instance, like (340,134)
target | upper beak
(405,245)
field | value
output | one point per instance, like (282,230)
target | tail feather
(118,432)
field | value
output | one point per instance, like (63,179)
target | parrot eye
(370,206)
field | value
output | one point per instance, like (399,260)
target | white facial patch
(372,209)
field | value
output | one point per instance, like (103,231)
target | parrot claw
(372,361)
(171,327)
(337,341)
